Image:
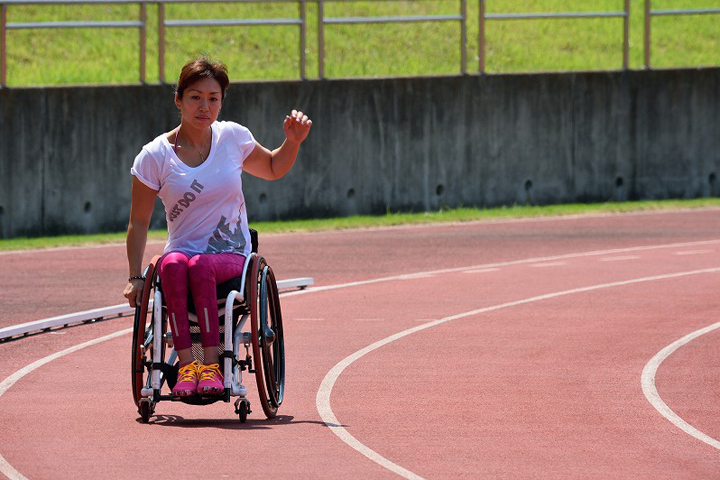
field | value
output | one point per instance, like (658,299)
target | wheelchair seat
(222,291)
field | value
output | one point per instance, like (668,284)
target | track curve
(538,388)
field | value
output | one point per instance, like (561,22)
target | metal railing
(163,23)
(625,14)
(301,22)
(141,24)
(323,20)
(649,13)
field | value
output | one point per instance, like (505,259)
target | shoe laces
(208,372)
(188,373)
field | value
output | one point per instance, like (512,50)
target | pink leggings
(200,274)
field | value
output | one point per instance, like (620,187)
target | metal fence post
(3,46)
(647,33)
(321,39)
(626,36)
(303,37)
(481,38)
(143,40)
(161,42)
(463,37)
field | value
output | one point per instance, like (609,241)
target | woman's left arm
(271,165)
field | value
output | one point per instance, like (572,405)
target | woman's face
(201,103)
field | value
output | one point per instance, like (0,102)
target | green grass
(87,56)
(390,219)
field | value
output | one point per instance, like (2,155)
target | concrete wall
(398,144)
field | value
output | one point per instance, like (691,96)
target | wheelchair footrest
(197,399)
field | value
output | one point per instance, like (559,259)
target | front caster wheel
(145,410)
(242,408)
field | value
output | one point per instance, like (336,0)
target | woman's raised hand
(297,126)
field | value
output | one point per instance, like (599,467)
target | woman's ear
(177,101)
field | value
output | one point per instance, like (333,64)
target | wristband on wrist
(135,278)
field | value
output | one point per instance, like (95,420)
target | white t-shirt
(204,206)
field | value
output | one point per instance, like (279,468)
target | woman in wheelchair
(196,169)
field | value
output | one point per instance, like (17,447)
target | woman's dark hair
(200,68)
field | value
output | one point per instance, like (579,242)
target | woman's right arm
(143,202)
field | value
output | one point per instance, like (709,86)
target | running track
(553,348)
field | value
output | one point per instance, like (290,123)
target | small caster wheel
(242,408)
(145,411)
(243,412)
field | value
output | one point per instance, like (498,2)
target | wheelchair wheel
(145,410)
(143,344)
(267,337)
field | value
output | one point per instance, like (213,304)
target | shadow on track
(229,424)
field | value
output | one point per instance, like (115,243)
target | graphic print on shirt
(223,240)
(187,198)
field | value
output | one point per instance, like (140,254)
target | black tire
(140,335)
(273,353)
(145,412)
(143,345)
(267,337)
(243,412)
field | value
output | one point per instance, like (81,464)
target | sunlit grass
(87,56)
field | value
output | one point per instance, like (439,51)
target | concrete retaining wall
(398,144)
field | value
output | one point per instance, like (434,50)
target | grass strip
(451,215)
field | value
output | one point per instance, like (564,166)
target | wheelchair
(251,339)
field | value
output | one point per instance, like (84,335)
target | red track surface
(527,363)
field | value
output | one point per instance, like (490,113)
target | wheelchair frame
(255,299)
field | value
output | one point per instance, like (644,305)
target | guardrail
(649,13)
(301,22)
(163,23)
(323,20)
(141,24)
(625,14)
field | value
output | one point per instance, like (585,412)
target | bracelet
(135,278)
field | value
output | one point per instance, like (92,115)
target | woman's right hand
(133,292)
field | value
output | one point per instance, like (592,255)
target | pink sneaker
(187,380)
(211,380)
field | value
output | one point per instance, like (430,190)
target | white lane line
(548,264)
(322,399)
(482,270)
(647,381)
(413,276)
(619,259)
(325,288)
(7,469)
(694,252)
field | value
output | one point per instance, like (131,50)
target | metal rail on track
(105,313)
